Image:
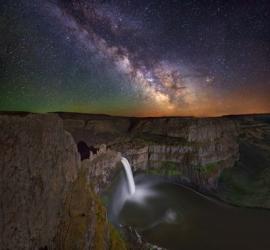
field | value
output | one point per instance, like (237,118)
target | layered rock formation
(47,196)
(195,150)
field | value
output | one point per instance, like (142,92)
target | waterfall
(130,179)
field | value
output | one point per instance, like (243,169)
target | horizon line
(127,116)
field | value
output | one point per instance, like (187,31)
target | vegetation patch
(168,168)
(237,187)
(84,223)
(248,182)
(116,240)
(209,168)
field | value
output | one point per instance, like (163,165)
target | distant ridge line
(62,113)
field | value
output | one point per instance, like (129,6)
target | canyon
(193,149)
(54,168)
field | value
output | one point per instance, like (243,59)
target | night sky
(137,58)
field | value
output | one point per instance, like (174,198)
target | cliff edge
(48,200)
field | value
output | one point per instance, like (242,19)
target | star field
(141,58)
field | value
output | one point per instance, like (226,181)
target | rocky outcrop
(47,196)
(102,168)
(39,161)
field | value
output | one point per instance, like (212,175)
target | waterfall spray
(130,179)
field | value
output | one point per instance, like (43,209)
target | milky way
(136,57)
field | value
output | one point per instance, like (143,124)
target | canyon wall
(49,199)
(248,182)
(195,150)
(228,156)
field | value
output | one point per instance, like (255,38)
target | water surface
(174,217)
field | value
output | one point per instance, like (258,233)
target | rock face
(194,150)
(101,168)
(83,223)
(47,196)
(197,150)
(38,163)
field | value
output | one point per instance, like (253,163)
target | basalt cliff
(195,150)
(54,167)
